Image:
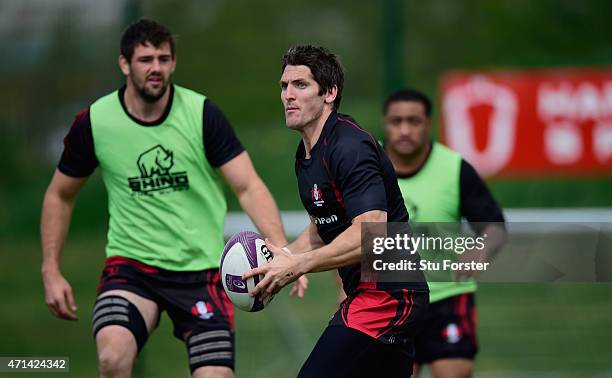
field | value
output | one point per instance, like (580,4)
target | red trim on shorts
(406,311)
(473,323)
(467,324)
(409,305)
(225,306)
(370,311)
(120,260)
(102,283)
(211,287)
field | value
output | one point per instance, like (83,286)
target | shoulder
(188,97)
(444,151)
(82,122)
(111,97)
(187,92)
(349,135)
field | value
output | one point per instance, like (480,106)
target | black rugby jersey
(347,175)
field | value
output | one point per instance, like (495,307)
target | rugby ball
(244,251)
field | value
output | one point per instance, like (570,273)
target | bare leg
(117,348)
(452,368)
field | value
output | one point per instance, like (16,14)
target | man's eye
(415,121)
(301,85)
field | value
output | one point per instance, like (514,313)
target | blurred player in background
(160,148)
(439,186)
(344,179)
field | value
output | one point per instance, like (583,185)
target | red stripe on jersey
(357,127)
(333,182)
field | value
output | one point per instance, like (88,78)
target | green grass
(524,330)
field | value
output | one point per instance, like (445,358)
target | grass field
(543,330)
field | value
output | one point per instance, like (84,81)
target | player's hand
(469,256)
(299,287)
(59,297)
(278,273)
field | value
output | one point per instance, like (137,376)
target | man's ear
(174,59)
(331,94)
(124,65)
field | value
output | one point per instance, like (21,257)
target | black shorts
(371,335)
(193,299)
(449,330)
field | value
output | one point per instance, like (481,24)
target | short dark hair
(325,67)
(142,32)
(408,94)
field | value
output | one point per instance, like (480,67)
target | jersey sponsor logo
(317,195)
(452,333)
(325,220)
(155,177)
(202,310)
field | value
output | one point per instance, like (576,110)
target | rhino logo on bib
(155,177)
(157,160)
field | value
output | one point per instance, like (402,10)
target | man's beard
(147,95)
(152,97)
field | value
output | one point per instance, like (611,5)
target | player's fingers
(70,305)
(52,308)
(70,299)
(255,271)
(261,286)
(294,290)
(62,309)
(271,289)
(272,248)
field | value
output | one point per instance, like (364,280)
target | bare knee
(213,372)
(117,352)
(452,368)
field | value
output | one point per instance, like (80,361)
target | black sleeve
(220,143)
(79,157)
(355,167)
(477,204)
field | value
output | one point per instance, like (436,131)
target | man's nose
(156,66)
(288,94)
(405,128)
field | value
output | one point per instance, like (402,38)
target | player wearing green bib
(162,150)
(439,186)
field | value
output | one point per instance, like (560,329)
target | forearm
(496,237)
(344,250)
(54,224)
(307,241)
(258,203)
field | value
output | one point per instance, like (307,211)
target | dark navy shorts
(449,330)
(194,300)
(371,335)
